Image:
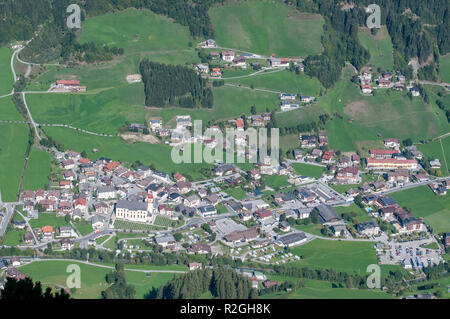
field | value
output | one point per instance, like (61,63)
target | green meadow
(379,47)
(423,203)
(265,27)
(8,111)
(13,145)
(283,81)
(344,256)
(276,181)
(14,237)
(54,274)
(439,149)
(48,219)
(5,74)
(308,169)
(38,170)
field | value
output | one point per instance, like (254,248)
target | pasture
(444,68)
(265,27)
(338,255)
(308,169)
(38,170)
(379,47)
(5,74)
(13,145)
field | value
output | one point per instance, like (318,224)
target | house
(65,231)
(207,211)
(15,273)
(369,228)
(293,239)
(327,157)
(286,96)
(227,56)
(382,154)
(366,89)
(338,230)
(348,175)
(80,203)
(308,141)
(263,214)
(323,139)
(384,83)
(288,105)
(240,61)
(106,192)
(209,43)
(216,72)
(298,154)
(414,91)
(212,199)
(192,201)
(277,62)
(242,236)
(98,221)
(19,224)
(64,207)
(391,143)
(167,241)
(224,169)
(327,214)
(68,164)
(195,266)
(15,261)
(399,175)
(269,284)
(284,226)
(179,178)
(28,238)
(435,163)
(378,185)
(202,68)
(384,201)
(47,231)
(184,187)
(315,153)
(101,208)
(66,244)
(391,163)
(306,98)
(305,195)
(199,248)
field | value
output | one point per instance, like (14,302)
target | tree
(177,236)
(25,289)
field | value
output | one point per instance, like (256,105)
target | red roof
(366,86)
(68,82)
(84,160)
(80,201)
(383,152)
(390,160)
(263,214)
(239,122)
(327,155)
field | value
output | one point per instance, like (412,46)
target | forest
(222,283)
(174,84)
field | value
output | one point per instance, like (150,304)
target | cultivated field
(265,27)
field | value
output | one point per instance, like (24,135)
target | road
(409,186)
(30,117)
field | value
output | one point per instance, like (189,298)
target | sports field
(5,71)
(308,169)
(51,273)
(13,145)
(38,170)
(344,256)
(379,47)
(265,27)
(422,202)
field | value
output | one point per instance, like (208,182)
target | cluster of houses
(391,158)
(385,80)
(290,102)
(440,188)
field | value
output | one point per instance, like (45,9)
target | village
(261,224)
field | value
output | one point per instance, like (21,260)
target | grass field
(84,227)
(265,27)
(311,228)
(122,224)
(276,181)
(436,150)
(8,111)
(237,193)
(38,170)
(338,255)
(5,73)
(141,33)
(422,202)
(444,68)
(48,219)
(101,239)
(163,221)
(379,47)
(308,170)
(316,289)
(116,149)
(14,237)
(51,273)
(13,145)
(284,81)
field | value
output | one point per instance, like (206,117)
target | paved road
(443,84)
(30,117)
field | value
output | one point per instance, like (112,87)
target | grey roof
(105,189)
(164,239)
(207,209)
(292,238)
(366,225)
(131,205)
(327,213)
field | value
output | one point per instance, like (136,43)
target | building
(382,154)
(293,239)
(66,244)
(391,163)
(242,236)
(195,266)
(327,214)
(391,143)
(133,211)
(369,228)
(227,56)
(199,248)
(207,211)
(277,62)
(167,241)
(348,175)
(106,192)
(366,89)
